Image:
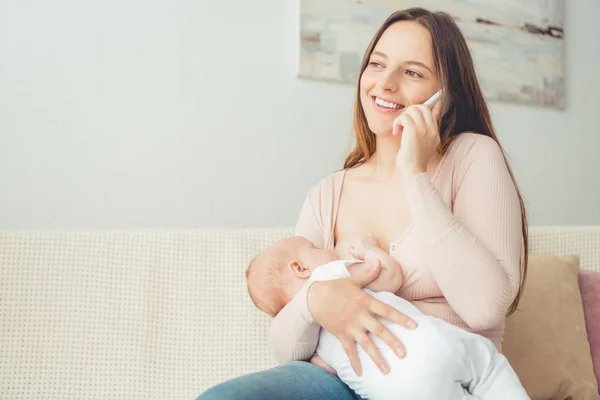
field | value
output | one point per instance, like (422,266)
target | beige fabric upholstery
(147,314)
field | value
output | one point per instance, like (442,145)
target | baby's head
(276,274)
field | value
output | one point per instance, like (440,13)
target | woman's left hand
(418,126)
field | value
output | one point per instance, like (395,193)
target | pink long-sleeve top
(460,255)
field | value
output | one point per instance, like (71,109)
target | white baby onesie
(443,362)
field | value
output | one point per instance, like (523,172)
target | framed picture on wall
(517,46)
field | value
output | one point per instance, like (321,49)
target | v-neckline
(336,206)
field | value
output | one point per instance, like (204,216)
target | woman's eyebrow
(380,54)
(410,62)
(420,64)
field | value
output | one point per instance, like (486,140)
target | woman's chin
(381,131)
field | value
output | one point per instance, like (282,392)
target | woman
(433,186)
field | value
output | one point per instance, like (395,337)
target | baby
(442,362)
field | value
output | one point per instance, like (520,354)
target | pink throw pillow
(589,284)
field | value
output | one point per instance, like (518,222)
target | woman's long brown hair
(467,110)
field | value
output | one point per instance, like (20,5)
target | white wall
(185,114)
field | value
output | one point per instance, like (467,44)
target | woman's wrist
(411,172)
(411,180)
(306,311)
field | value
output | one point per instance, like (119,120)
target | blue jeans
(292,381)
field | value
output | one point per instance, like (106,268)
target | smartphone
(432,101)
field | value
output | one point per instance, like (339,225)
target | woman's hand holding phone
(418,125)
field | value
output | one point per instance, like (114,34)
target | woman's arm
(293,335)
(474,250)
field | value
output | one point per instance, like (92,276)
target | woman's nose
(388,83)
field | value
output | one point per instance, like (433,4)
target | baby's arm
(390,279)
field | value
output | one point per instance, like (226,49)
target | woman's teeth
(387,104)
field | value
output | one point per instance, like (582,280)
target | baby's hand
(390,278)
(360,248)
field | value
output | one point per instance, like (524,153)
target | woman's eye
(375,64)
(414,74)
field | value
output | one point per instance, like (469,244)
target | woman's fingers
(349,346)
(402,123)
(397,127)
(436,111)
(391,314)
(416,114)
(428,117)
(409,130)
(382,332)
(363,339)
(349,313)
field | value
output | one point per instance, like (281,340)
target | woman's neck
(384,159)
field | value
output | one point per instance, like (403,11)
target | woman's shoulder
(328,188)
(467,142)
(316,217)
(469,146)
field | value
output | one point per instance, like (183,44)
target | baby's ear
(299,269)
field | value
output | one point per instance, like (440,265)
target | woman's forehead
(406,40)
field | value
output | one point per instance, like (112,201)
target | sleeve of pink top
(293,334)
(474,251)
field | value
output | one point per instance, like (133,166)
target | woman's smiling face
(401,72)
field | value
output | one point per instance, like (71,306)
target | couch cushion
(546,341)
(589,284)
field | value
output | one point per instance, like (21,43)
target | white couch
(148,314)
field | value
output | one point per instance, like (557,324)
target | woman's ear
(299,269)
